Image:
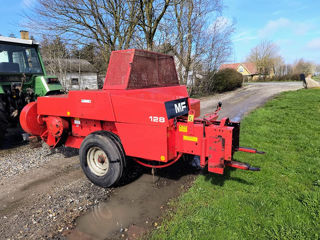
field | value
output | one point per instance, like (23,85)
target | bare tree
(199,45)
(150,15)
(302,66)
(110,23)
(191,29)
(218,46)
(279,66)
(54,52)
(264,55)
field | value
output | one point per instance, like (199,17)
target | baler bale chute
(141,114)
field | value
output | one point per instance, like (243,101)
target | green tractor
(22,79)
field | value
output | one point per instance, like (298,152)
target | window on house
(74,81)
(240,69)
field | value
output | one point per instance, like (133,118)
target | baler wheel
(101,159)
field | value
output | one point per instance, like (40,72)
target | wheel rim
(98,161)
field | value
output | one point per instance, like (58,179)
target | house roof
(251,67)
(70,65)
(229,65)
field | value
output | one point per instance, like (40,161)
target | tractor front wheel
(101,159)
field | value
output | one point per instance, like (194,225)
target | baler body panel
(90,104)
(144,141)
(145,106)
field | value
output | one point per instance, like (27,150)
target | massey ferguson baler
(141,114)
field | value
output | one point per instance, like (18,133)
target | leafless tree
(150,15)
(218,45)
(193,30)
(264,55)
(110,23)
(303,66)
(199,39)
(54,51)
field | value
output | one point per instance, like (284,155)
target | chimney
(24,34)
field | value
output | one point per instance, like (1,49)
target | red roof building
(247,68)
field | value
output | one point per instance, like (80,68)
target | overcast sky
(292,24)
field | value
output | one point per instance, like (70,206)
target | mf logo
(180,107)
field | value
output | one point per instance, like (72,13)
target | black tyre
(102,159)
(3,121)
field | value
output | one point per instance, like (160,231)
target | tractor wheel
(3,121)
(101,159)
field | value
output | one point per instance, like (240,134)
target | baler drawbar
(141,114)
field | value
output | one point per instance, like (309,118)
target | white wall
(85,80)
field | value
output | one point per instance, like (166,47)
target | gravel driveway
(43,192)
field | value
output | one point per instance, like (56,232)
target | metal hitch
(241,165)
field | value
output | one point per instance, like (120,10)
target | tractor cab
(22,78)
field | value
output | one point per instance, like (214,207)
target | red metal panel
(83,127)
(136,69)
(90,104)
(145,105)
(171,138)
(195,105)
(139,110)
(216,154)
(188,142)
(57,105)
(144,141)
(74,142)
(119,69)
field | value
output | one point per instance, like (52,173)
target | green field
(282,201)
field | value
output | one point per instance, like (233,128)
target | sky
(12,17)
(294,25)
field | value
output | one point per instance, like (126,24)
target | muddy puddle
(139,202)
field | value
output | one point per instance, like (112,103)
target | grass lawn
(316,78)
(282,201)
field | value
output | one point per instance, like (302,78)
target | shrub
(221,81)
(227,80)
(288,77)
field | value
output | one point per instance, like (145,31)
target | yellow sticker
(190,138)
(162,158)
(183,128)
(68,113)
(190,118)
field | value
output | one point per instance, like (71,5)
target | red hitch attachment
(243,166)
(214,141)
(249,150)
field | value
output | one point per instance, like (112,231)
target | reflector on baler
(143,113)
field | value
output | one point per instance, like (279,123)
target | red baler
(143,113)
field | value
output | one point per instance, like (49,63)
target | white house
(74,74)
